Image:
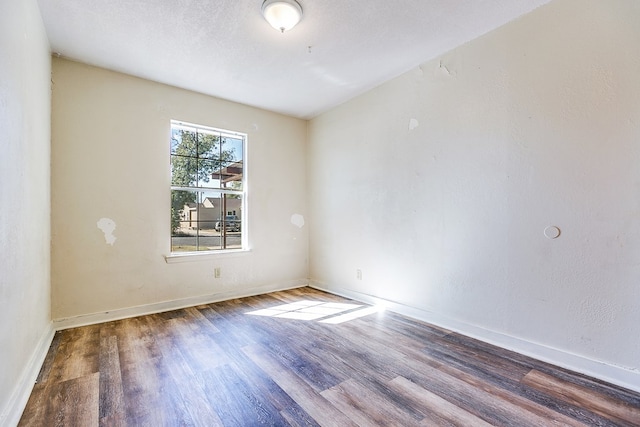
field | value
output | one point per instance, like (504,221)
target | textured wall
(438,185)
(110,159)
(25,68)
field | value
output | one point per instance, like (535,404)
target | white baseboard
(623,377)
(159,307)
(11,413)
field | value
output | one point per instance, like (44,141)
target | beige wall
(535,124)
(110,159)
(25,330)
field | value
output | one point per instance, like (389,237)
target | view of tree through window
(207,188)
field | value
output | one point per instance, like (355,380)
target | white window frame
(180,256)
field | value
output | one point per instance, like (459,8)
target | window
(207,188)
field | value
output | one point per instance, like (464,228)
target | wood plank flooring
(293,358)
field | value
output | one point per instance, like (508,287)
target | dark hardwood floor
(218,365)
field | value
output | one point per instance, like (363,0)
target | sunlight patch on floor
(334,312)
(351,315)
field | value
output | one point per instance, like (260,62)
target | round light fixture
(282,15)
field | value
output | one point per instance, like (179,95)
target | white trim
(159,307)
(618,375)
(11,413)
(176,257)
(207,129)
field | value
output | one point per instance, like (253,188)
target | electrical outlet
(359,274)
(216,272)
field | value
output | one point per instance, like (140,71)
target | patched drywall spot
(413,123)
(297,220)
(107,225)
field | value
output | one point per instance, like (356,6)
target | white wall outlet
(359,274)
(216,272)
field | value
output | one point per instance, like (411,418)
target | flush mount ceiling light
(282,15)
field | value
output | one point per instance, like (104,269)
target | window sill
(203,256)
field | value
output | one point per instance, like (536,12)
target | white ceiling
(225,48)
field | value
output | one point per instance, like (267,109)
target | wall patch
(297,220)
(107,225)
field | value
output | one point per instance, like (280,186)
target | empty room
(320,213)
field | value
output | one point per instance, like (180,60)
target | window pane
(183,143)
(209,208)
(208,173)
(176,139)
(232,147)
(231,175)
(229,226)
(208,238)
(184,243)
(184,171)
(183,209)
(208,146)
